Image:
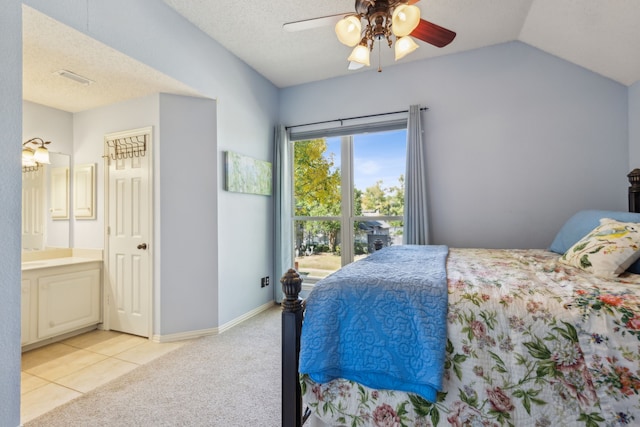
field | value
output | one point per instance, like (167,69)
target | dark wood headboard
(634,190)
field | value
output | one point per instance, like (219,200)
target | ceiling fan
(382,19)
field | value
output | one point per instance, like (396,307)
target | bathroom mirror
(46,202)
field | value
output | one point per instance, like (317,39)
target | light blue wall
(10,212)
(518,140)
(186,289)
(634,126)
(151,32)
(188,186)
(89,129)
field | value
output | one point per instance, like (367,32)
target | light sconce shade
(33,158)
(348,30)
(41,155)
(27,155)
(404,46)
(360,54)
(405,19)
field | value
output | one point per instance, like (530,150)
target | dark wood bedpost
(634,190)
(292,313)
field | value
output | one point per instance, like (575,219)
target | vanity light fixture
(33,158)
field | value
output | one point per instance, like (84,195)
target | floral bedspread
(531,342)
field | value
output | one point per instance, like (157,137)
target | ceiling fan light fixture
(405,19)
(360,54)
(348,30)
(354,66)
(404,46)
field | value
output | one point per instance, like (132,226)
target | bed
(525,338)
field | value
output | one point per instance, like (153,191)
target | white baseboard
(181,336)
(245,316)
(211,331)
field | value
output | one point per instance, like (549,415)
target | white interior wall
(10,214)
(518,140)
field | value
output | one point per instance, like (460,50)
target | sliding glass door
(348,199)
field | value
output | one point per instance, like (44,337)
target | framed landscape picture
(247,175)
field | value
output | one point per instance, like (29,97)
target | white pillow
(607,250)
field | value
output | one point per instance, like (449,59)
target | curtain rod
(352,118)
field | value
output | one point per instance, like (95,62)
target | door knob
(142,246)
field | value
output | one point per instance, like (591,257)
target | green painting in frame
(247,175)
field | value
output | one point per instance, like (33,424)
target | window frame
(347,217)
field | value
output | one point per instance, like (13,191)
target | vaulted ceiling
(600,35)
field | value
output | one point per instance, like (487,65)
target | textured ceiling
(49,46)
(602,36)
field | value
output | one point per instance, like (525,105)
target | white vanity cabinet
(59,299)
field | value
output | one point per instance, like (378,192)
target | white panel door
(129,239)
(33,209)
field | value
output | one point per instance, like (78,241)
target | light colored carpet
(227,380)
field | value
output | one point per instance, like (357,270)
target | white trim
(184,335)
(246,316)
(84,181)
(212,331)
(59,338)
(346,208)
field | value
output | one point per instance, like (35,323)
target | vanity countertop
(56,262)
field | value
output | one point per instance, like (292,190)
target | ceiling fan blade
(433,34)
(307,24)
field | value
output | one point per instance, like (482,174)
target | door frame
(150,200)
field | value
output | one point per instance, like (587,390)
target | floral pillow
(607,250)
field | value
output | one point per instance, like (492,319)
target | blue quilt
(380,321)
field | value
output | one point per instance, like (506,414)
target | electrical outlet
(266,281)
(263,282)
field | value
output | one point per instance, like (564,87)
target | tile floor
(59,372)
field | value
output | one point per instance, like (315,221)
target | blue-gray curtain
(416,220)
(282,192)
